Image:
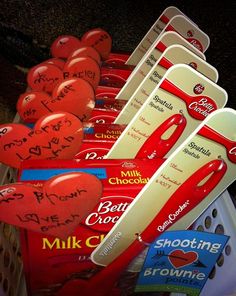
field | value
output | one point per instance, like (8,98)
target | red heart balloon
(56,209)
(55,136)
(64,45)
(71,95)
(86,51)
(99,39)
(30,105)
(83,67)
(179,258)
(44,77)
(57,62)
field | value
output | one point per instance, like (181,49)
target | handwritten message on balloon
(71,95)
(55,136)
(56,209)
(63,45)
(100,40)
(44,77)
(83,67)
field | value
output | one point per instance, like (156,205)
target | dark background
(27,28)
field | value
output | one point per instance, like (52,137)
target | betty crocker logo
(190,33)
(193,65)
(107,213)
(201,107)
(195,43)
(198,89)
(128,164)
(198,106)
(233,151)
(92,153)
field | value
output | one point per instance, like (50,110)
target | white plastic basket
(11,268)
(220,217)
(12,281)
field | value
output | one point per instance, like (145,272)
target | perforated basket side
(220,217)
(10,261)
(11,268)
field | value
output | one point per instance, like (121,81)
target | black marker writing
(29,218)
(76,193)
(39,196)
(67,221)
(53,219)
(80,74)
(3,131)
(14,196)
(101,39)
(14,143)
(36,150)
(29,112)
(67,89)
(6,191)
(43,78)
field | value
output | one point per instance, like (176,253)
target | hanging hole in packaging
(213,273)
(7,230)
(5,285)
(219,229)
(200,228)
(6,259)
(214,213)
(1,248)
(220,261)
(12,267)
(227,250)
(208,222)
(14,246)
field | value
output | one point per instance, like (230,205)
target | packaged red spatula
(183,94)
(185,181)
(150,58)
(116,267)
(152,34)
(119,58)
(174,54)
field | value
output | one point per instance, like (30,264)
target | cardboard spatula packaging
(174,54)
(177,105)
(182,182)
(152,34)
(150,58)
(199,170)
